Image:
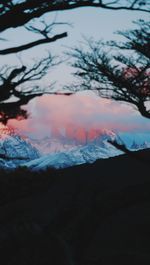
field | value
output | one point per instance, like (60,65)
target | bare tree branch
(18,14)
(17,76)
(33,44)
(136,155)
(119,77)
(45,30)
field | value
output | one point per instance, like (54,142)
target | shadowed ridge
(98,211)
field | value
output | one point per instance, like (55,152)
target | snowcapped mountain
(15,150)
(99,148)
(60,153)
(135,140)
(49,145)
(80,155)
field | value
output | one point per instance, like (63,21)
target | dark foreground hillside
(85,215)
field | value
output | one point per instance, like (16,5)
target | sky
(80,113)
(89,22)
(84,109)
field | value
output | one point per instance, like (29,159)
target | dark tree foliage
(17,13)
(119,71)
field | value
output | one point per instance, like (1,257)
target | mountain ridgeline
(38,154)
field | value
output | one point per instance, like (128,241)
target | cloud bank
(56,114)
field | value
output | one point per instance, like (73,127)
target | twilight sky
(89,22)
(86,110)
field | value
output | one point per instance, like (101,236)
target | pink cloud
(83,110)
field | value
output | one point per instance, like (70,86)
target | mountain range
(14,150)
(38,154)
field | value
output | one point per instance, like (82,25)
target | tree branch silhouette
(15,14)
(18,14)
(11,86)
(134,154)
(116,75)
(32,44)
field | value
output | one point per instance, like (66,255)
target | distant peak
(6,131)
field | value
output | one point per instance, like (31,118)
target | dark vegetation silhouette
(118,71)
(88,214)
(14,14)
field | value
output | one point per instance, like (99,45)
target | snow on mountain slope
(49,145)
(135,141)
(76,156)
(60,153)
(99,148)
(14,150)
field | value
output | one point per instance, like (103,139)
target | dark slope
(85,215)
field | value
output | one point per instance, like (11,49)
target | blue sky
(90,22)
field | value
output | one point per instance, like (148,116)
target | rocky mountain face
(48,145)
(99,148)
(14,150)
(60,153)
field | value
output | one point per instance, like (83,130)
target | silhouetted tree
(18,13)
(116,74)
(14,14)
